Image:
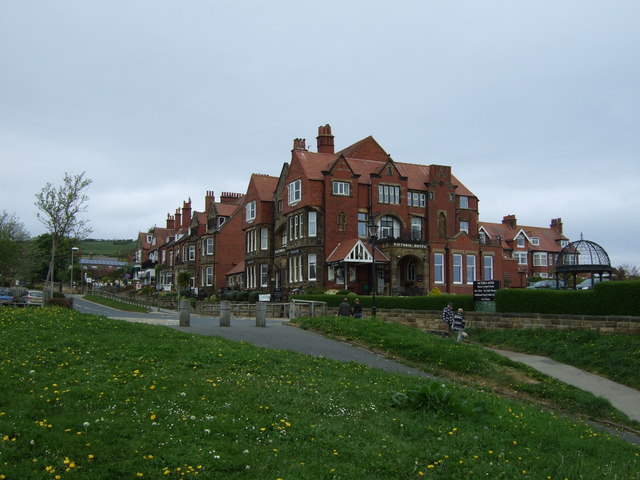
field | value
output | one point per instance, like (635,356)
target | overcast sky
(534,103)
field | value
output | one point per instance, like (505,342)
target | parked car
(549,283)
(5,297)
(588,285)
(32,297)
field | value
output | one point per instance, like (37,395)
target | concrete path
(623,398)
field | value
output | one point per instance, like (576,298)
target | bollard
(225,313)
(185,312)
(261,314)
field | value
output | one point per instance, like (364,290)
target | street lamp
(373,236)
(73,249)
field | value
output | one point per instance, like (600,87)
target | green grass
(107,302)
(108,248)
(466,363)
(615,356)
(90,398)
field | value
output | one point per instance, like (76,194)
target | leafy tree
(60,208)
(13,244)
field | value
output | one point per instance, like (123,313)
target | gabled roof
(367,148)
(355,251)
(315,165)
(265,186)
(548,237)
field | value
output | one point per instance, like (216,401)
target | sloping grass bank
(91,398)
(466,363)
(614,356)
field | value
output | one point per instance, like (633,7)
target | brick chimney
(209,200)
(230,197)
(186,213)
(299,144)
(171,222)
(325,139)
(510,220)
(556,223)
(178,219)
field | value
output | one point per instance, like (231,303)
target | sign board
(264,297)
(485,290)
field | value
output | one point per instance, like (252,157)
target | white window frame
(250,211)
(210,246)
(192,253)
(540,259)
(464,226)
(535,241)
(389,194)
(311,267)
(264,275)
(464,201)
(471,269)
(487,267)
(520,241)
(457,268)
(521,257)
(264,238)
(312,220)
(438,268)
(341,188)
(295,191)
(209,276)
(416,228)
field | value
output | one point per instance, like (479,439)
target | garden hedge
(431,302)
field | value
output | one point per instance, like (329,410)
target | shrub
(253,296)
(60,302)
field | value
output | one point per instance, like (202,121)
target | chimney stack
(178,219)
(299,144)
(186,213)
(325,139)
(209,199)
(230,198)
(171,225)
(557,224)
(510,220)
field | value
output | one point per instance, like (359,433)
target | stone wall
(432,321)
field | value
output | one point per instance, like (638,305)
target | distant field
(108,248)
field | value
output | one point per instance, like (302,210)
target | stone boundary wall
(429,320)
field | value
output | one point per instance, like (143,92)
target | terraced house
(353,219)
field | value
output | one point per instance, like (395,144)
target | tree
(60,208)
(627,272)
(13,244)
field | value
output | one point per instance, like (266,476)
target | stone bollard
(225,313)
(185,312)
(261,314)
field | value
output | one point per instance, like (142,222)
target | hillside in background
(108,248)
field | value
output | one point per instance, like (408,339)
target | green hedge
(607,298)
(431,302)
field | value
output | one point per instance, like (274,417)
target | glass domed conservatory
(583,256)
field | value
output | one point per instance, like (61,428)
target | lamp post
(373,236)
(73,249)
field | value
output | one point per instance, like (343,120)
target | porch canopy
(355,251)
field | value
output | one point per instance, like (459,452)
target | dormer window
(250,211)
(520,241)
(295,191)
(535,241)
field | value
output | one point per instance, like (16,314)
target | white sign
(264,297)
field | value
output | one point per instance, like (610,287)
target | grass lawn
(91,398)
(115,304)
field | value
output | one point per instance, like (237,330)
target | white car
(588,283)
